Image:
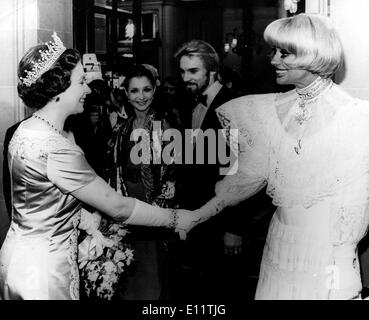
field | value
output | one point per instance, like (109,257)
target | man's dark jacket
(198,180)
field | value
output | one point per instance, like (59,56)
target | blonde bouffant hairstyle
(313,41)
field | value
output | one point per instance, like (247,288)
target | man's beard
(194,89)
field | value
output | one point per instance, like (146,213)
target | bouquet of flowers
(100,277)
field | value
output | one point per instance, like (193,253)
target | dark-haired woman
(50,178)
(152,183)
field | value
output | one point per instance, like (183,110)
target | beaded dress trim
(309,95)
(306,96)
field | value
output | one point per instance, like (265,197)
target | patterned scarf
(153,176)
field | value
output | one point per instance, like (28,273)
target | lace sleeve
(244,122)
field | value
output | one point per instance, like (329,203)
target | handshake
(181,220)
(189,219)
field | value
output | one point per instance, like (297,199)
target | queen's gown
(38,259)
(315,163)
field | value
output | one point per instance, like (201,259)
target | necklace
(37,116)
(309,95)
(306,96)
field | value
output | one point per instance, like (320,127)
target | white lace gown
(317,173)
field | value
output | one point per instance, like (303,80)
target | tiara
(54,50)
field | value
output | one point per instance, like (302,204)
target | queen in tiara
(50,179)
(310,147)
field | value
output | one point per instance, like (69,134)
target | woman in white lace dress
(310,146)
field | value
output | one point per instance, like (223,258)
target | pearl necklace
(309,95)
(37,116)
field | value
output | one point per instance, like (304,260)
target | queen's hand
(186,221)
(189,219)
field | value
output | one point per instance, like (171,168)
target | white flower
(114,227)
(118,256)
(109,267)
(104,289)
(88,291)
(107,281)
(94,265)
(108,296)
(92,276)
(113,278)
(122,232)
(109,254)
(291,5)
(116,238)
(129,255)
(120,265)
